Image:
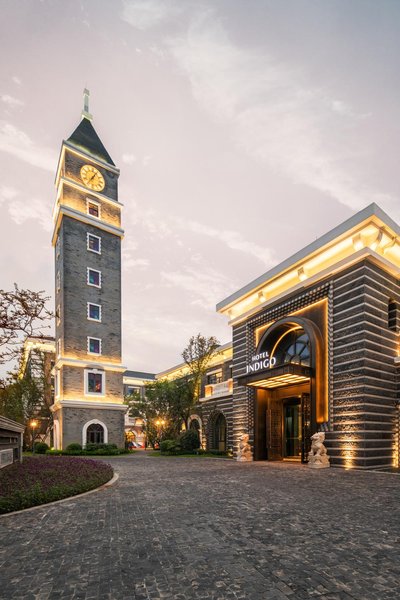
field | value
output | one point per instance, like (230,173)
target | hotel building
(316,348)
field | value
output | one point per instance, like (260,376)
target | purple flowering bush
(43,479)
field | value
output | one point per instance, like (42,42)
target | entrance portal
(292,429)
(283,423)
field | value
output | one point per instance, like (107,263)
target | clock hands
(94,175)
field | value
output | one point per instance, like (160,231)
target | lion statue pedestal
(318,457)
(244,454)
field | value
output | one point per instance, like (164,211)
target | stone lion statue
(244,454)
(318,457)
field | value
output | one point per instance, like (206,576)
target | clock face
(92,178)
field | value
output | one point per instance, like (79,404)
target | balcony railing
(216,390)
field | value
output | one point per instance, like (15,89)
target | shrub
(104,448)
(40,448)
(169,446)
(73,448)
(189,440)
(54,452)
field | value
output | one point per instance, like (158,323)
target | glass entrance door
(292,428)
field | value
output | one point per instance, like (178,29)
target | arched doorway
(219,433)
(287,372)
(95,434)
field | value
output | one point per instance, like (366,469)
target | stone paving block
(186,529)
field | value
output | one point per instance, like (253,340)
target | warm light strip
(280,380)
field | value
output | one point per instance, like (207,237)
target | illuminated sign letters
(260,362)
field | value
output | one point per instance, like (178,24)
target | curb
(106,485)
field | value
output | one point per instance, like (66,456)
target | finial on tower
(85,113)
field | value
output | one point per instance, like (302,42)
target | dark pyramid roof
(86,138)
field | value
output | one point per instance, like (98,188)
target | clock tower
(88,405)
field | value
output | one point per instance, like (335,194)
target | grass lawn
(40,479)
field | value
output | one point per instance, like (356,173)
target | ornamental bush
(73,448)
(189,440)
(169,446)
(40,448)
(109,448)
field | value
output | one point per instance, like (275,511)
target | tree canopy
(22,313)
(173,401)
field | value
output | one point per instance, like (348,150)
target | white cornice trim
(79,216)
(87,191)
(340,266)
(87,404)
(371,215)
(87,364)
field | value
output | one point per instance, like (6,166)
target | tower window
(93,208)
(94,277)
(58,314)
(94,243)
(58,248)
(93,312)
(392,315)
(58,281)
(94,345)
(94,382)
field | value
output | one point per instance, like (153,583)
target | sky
(244,130)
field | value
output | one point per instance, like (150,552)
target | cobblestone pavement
(191,528)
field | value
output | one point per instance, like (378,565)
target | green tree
(197,355)
(169,403)
(21,312)
(159,410)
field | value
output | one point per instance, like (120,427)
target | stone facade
(74,419)
(351,394)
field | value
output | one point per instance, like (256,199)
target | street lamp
(159,424)
(34,425)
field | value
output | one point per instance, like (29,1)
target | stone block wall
(74,419)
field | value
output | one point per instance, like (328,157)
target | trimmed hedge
(41,479)
(90,450)
(40,447)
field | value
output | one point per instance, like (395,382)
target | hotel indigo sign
(259,362)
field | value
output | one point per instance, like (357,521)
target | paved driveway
(180,528)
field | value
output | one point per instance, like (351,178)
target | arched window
(392,315)
(95,434)
(220,432)
(293,347)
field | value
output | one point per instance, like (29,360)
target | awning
(288,374)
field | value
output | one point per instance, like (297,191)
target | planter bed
(42,479)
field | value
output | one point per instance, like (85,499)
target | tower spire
(85,113)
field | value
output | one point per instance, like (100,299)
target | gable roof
(85,138)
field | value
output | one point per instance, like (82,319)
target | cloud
(233,239)
(145,14)
(16,80)
(273,113)
(129,159)
(22,209)
(11,101)
(7,193)
(17,143)
(130,263)
(205,285)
